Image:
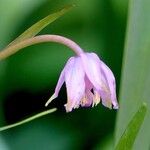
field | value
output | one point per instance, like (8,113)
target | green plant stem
(28,119)
(10,50)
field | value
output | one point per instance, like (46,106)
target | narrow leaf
(37,27)
(127,139)
(135,80)
(28,119)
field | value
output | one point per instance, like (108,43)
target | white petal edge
(51,98)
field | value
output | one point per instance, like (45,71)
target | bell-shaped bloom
(88,81)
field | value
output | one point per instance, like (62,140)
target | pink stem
(10,50)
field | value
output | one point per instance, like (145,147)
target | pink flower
(88,80)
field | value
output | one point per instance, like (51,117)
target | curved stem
(10,50)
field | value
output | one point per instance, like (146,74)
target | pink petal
(92,64)
(109,77)
(88,84)
(57,89)
(59,84)
(74,78)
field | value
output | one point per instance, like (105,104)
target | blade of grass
(28,119)
(135,72)
(37,27)
(128,137)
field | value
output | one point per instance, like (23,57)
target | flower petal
(59,84)
(50,99)
(91,63)
(109,77)
(88,84)
(74,78)
(107,103)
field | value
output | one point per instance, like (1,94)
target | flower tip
(68,109)
(50,99)
(116,107)
(107,103)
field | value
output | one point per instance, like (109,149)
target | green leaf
(28,119)
(135,82)
(127,139)
(37,27)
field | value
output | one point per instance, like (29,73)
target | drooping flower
(88,80)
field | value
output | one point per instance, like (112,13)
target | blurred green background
(28,78)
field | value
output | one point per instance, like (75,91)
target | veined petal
(59,84)
(88,84)
(57,89)
(74,78)
(109,77)
(92,64)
